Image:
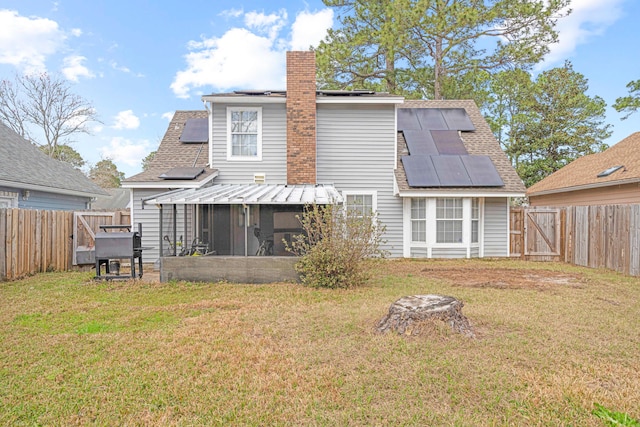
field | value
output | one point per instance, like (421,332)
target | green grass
(556,345)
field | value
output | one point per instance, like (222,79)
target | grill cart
(115,243)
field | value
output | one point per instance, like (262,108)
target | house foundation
(252,269)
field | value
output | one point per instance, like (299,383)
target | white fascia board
(454,193)
(359,100)
(242,100)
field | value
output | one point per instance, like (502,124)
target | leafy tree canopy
(544,124)
(630,103)
(105,174)
(415,47)
(146,162)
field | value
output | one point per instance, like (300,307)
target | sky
(136,62)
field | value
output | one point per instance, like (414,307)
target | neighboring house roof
(174,154)
(480,142)
(118,198)
(582,173)
(23,165)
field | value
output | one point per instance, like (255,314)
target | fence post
(3,244)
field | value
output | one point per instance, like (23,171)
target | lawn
(553,342)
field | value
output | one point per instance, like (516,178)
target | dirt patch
(503,278)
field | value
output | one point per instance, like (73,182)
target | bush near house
(335,246)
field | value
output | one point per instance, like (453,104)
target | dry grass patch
(554,340)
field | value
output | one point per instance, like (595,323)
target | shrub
(336,245)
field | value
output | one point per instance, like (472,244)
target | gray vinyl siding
(474,252)
(274,148)
(356,152)
(496,221)
(42,200)
(449,252)
(149,217)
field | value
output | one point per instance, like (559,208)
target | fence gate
(85,226)
(541,232)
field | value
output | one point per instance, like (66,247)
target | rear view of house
(232,178)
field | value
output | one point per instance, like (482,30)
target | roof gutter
(584,187)
(44,188)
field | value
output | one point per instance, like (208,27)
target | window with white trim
(362,204)
(244,133)
(449,220)
(475,220)
(418,220)
(8,199)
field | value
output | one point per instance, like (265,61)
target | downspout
(245,212)
(210,118)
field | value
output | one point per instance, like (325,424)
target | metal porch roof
(250,194)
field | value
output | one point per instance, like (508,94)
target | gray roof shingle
(23,165)
(172,153)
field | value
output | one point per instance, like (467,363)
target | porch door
(222,228)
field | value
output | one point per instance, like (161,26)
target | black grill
(114,243)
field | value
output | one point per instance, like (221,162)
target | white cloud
(231,13)
(310,28)
(126,120)
(239,58)
(125,151)
(76,32)
(266,24)
(74,68)
(168,115)
(588,19)
(250,57)
(26,42)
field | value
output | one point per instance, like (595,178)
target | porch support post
(160,233)
(175,231)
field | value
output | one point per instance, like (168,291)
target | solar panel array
(182,173)
(450,171)
(437,154)
(196,131)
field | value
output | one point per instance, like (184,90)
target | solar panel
(420,142)
(407,119)
(420,171)
(457,119)
(448,142)
(431,119)
(482,171)
(182,173)
(451,171)
(196,131)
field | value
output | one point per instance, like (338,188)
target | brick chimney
(301,118)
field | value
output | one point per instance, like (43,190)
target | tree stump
(406,314)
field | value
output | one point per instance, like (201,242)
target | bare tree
(45,106)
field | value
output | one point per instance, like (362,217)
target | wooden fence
(606,236)
(33,241)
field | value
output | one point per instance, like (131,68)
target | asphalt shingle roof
(478,142)
(172,153)
(583,172)
(22,165)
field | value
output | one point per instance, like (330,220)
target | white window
(475,219)
(449,220)
(244,133)
(418,220)
(8,199)
(362,203)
